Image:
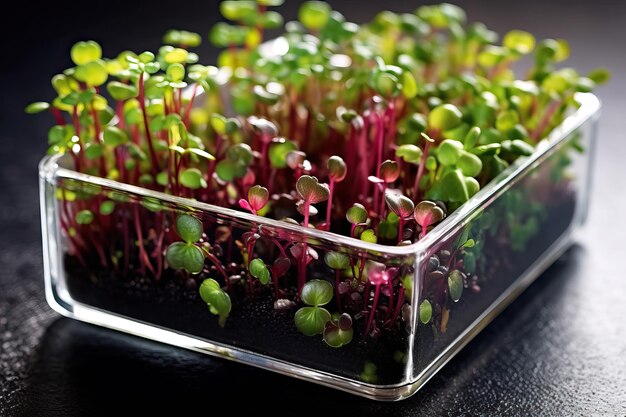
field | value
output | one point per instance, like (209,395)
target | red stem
(190,105)
(73,244)
(179,103)
(158,250)
(99,249)
(233,50)
(363,159)
(307,206)
(169,170)
(391,129)
(280,247)
(420,171)
(302,260)
(98,129)
(119,111)
(383,206)
(126,240)
(366,295)
(146,125)
(361,268)
(424,228)
(219,267)
(330,202)
(276,290)
(143,255)
(58,117)
(380,136)
(399,303)
(545,120)
(76,123)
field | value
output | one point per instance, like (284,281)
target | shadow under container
(423,302)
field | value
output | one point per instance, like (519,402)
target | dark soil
(252,324)
(255,325)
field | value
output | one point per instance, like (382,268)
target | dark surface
(560,349)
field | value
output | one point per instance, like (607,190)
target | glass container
(420,303)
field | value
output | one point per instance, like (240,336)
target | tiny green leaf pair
(338,331)
(186,255)
(259,270)
(217,299)
(312,319)
(310,190)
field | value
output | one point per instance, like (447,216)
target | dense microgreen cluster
(376,132)
(419,105)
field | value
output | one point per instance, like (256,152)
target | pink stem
(424,227)
(306,214)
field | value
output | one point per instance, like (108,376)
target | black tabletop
(559,349)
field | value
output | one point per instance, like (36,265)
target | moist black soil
(255,325)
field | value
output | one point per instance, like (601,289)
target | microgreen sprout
(426,214)
(217,299)
(338,262)
(257,198)
(336,173)
(186,255)
(312,319)
(338,331)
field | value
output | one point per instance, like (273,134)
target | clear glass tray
(502,239)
